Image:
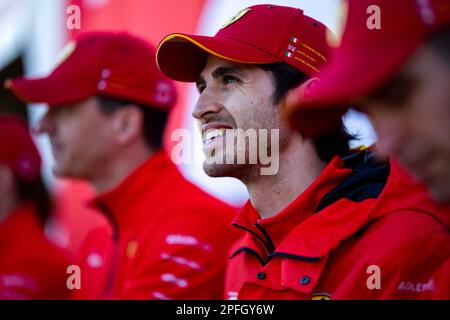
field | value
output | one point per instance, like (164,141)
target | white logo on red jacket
(416,286)
(187,240)
(232,295)
(171,278)
(160,296)
(180,260)
(17,287)
(94,260)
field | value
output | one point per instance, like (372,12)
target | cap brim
(44,90)
(350,76)
(182,57)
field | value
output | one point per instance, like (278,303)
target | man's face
(411,117)
(234,96)
(80,136)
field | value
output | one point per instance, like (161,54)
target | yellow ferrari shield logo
(236,17)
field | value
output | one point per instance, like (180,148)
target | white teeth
(213,133)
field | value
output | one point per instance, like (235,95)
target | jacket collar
(342,200)
(323,232)
(121,203)
(271,232)
(23,221)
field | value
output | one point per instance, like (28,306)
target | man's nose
(206,104)
(44,125)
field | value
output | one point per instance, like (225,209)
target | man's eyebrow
(220,71)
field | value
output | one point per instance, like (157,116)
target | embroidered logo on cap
(163,92)
(236,17)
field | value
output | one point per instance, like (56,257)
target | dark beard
(242,172)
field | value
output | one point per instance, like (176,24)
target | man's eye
(396,93)
(229,79)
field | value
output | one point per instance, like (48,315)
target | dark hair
(287,78)
(35,193)
(154,119)
(440,43)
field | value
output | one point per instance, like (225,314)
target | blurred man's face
(411,117)
(234,96)
(80,136)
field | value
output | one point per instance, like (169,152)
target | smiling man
(329,223)
(108,104)
(232,137)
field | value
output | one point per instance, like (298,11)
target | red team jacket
(31,267)
(362,230)
(169,239)
(442,276)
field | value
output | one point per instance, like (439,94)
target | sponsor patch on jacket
(416,286)
(321,296)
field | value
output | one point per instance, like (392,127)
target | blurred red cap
(260,34)
(365,59)
(17,150)
(115,64)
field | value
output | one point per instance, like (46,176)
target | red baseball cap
(366,58)
(115,64)
(17,150)
(260,34)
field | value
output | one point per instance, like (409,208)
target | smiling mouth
(211,134)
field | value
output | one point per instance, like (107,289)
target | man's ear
(128,124)
(296,95)
(303,89)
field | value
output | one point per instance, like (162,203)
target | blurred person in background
(31,266)
(329,222)
(399,75)
(393,63)
(108,106)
